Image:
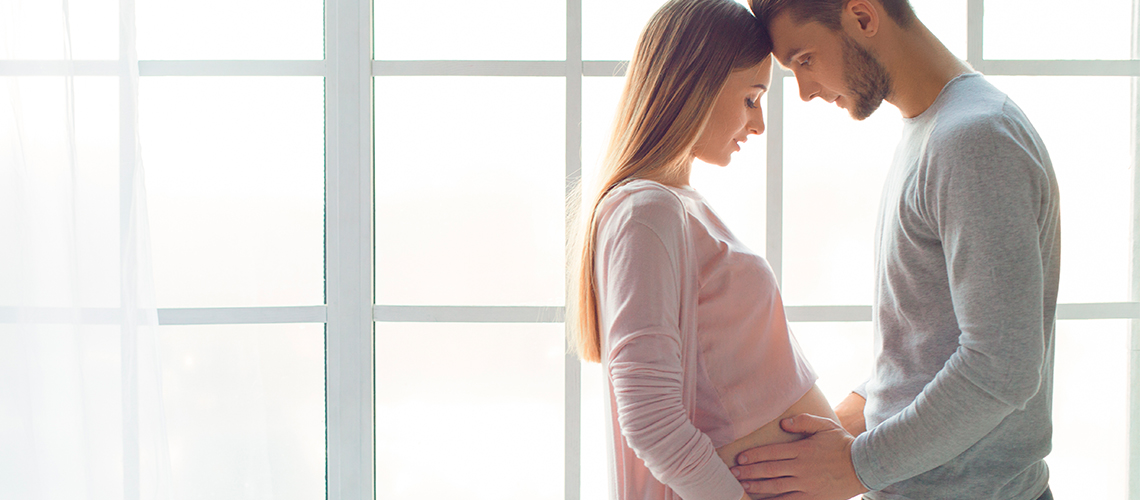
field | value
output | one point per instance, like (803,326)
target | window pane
(235,180)
(1027,29)
(470,189)
(594,469)
(230,29)
(94,28)
(842,354)
(245,410)
(1094,171)
(97,192)
(1090,410)
(62,412)
(35,30)
(490,397)
(493,30)
(70,217)
(947,20)
(610,29)
(834,169)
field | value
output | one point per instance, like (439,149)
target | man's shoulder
(978,113)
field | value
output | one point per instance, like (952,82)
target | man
(967,260)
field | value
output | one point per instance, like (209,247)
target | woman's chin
(720,162)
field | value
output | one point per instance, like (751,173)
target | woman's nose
(756,123)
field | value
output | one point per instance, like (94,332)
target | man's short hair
(826,12)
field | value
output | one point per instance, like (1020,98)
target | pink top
(694,341)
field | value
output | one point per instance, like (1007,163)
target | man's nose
(807,91)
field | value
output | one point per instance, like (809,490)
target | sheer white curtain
(80,382)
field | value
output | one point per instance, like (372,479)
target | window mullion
(975,13)
(573,368)
(1134,359)
(348,250)
(774,209)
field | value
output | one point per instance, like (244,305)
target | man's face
(830,65)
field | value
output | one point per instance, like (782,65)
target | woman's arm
(640,269)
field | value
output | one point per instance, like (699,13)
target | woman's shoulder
(644,194)
(643,202)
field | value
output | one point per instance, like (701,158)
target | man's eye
(805,61)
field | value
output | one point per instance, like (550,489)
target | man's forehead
(791,36)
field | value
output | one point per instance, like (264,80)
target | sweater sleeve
(639,273)
(984,201)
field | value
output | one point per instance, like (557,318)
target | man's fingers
(795,495)
(807,424)
(762,470)
(774,488)
(767,453)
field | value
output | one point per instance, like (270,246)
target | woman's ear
(861,17)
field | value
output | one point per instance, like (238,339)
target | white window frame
(350,312)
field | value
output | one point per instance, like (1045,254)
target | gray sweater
(968,255)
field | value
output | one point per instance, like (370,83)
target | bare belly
(770,433)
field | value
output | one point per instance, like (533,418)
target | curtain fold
(81,408)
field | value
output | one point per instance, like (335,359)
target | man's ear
(861,17)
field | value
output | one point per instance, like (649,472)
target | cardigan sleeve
(640,265)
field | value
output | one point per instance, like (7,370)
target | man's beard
(867,80)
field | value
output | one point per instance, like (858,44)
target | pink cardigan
(695,343)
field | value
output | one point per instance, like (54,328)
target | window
(358,229)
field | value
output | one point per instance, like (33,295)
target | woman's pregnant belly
(770,433)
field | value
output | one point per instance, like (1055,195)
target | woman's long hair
(682,60)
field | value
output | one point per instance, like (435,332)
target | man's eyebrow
(786,60)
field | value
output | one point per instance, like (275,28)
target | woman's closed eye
(750,102)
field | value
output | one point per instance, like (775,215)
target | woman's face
(735,115)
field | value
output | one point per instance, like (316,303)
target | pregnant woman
(686,320)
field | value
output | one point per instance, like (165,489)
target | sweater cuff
(864,462)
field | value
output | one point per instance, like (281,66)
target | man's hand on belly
(818,467)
